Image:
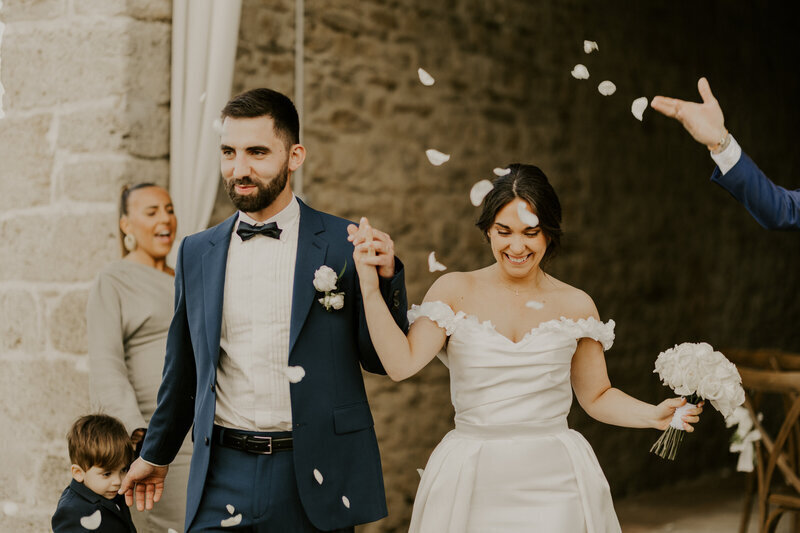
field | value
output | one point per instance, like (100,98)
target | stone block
(75,250)
(17,10)
(67,323)
(149,129)
(102,179)
(100,129)
(147,73)
(138,9)
(83,60)
(20,325)
(27,161)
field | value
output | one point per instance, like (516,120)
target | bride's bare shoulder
(450,288)
(574,302)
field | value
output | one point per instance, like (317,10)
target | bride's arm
(610,405)
(401,356)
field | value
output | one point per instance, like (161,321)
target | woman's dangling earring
(129,241)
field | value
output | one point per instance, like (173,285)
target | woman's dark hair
(528,183)
(123,207)
(266,102)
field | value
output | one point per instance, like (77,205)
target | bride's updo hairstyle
(529,183)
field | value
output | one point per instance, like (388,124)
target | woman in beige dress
(129,313)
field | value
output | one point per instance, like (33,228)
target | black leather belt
(247,442)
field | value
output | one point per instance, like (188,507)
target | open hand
(147,481)
(704,121)
(666,409)
(372,247)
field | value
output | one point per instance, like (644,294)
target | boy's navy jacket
(78,501)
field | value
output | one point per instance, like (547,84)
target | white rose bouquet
(696,371)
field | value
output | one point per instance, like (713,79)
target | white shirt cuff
(151,464)
(727,158)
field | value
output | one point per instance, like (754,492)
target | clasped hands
(373,252)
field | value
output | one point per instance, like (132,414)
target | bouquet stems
(668,443)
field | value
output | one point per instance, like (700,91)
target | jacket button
(206,441)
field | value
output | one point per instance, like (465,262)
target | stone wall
(86,103)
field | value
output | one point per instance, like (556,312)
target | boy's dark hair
(529,183)
(266,102)
(99,440)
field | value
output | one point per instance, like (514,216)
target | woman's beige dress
(129,311)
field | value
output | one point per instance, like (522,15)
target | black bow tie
(246,231)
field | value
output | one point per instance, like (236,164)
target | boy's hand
(147,481)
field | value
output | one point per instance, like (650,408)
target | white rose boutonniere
(325,280)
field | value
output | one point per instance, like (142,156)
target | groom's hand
(146,480)
(367,239)
(704,121)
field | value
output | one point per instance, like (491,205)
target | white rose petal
(10,508)
(217,125)
(526,216)
(92,521)
(589,46)
(232,521)
(170,530)
(436,157)
(325,279)
(231,509)
(580,72)
(479,192)
(346,501)
(638,106)
(318,476)
(501,172)
(420,471)
(533,304)
(337,300)
(607,88)
(202,98)
(433,264)
(426,79)
(295,375)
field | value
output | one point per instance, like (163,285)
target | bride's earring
(129,241)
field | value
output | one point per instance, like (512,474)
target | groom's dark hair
(528,183)
(266,102)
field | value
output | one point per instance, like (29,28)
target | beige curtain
(204,39)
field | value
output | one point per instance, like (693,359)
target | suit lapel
(215,261)
(311,250)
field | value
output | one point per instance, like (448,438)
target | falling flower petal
(202,98)
(295,373)
(318,476)
(217,125)
(426,79)
(346,501)
(502,171)
(433,264)
(479,192)
(92,521)
(436,157)
(526,216)
(606,88)
(232,521)
(231,509)
(638,106)
(170,530)
(589,46)
(533,304)
(580,72)
(420,471)
(10,508)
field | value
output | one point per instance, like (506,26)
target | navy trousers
(246,492)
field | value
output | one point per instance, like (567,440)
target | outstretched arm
(401,356)
(704,121)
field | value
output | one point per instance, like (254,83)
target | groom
(260,364)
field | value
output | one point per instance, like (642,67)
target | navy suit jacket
(332,423)
(772,206)
(78,501)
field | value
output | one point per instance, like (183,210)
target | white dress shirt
(252,386)
(728,158)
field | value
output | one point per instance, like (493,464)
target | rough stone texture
(668,256)
(18,10)
(139,9)
(20,327)
(100,179)
(68,323)
(27,163)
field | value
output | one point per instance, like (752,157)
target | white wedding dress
(511,464)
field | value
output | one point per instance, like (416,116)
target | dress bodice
(495,381)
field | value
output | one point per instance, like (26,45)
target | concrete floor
(709,505)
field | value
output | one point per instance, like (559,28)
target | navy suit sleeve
(394,294)
(771,205)
(66,520)
(175,409)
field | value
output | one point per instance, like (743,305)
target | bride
(517,342)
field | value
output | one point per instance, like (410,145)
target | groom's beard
(265,194)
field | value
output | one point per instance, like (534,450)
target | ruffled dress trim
(441,313)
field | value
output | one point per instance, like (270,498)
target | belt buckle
(258,439)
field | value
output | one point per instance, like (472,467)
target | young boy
(100,451)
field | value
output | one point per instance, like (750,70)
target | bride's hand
(363,239)
(666,409)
